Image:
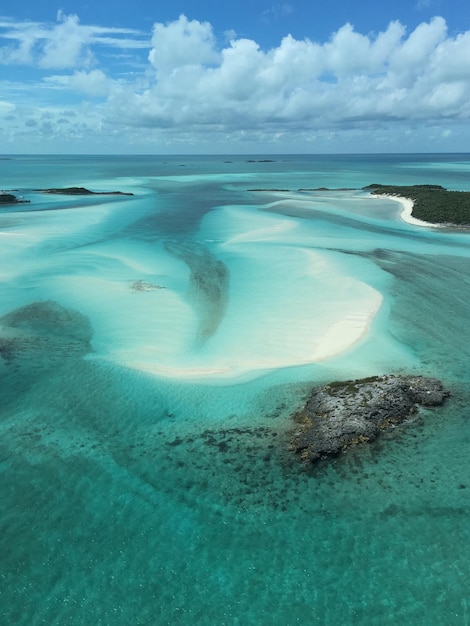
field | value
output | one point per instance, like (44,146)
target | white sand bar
(283,304)
(288,306)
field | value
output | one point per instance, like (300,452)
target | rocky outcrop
(343,414)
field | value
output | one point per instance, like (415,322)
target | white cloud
(451,60)
(349,52)
(196,88)
(65,44)
(376,77)
(195,45)
(92,83)
(412,57)
(68,45)
(24,37)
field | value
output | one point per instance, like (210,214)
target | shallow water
(153,348)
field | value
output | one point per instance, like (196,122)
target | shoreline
(407,210)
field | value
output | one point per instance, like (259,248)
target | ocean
(153,349)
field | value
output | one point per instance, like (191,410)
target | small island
(344,414)
(9,198)
(431,203)
(82,191)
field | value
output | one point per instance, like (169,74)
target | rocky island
(343,414)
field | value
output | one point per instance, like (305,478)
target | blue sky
(207,76)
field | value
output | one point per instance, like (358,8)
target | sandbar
(335,339)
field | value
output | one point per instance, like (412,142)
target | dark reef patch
(37,336)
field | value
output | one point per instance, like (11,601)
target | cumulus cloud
(195,45)
(195,85)
(391,75)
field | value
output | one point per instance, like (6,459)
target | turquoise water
(152,350)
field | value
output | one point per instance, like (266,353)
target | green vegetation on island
(431,203)
(82,191)
(9,198)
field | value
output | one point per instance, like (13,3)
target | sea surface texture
(153,348)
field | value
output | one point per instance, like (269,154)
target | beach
(407,210)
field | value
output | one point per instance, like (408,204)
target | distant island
(9,198)
(82,191)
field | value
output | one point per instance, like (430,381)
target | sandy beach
(407,210)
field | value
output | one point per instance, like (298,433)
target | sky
(246,77)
